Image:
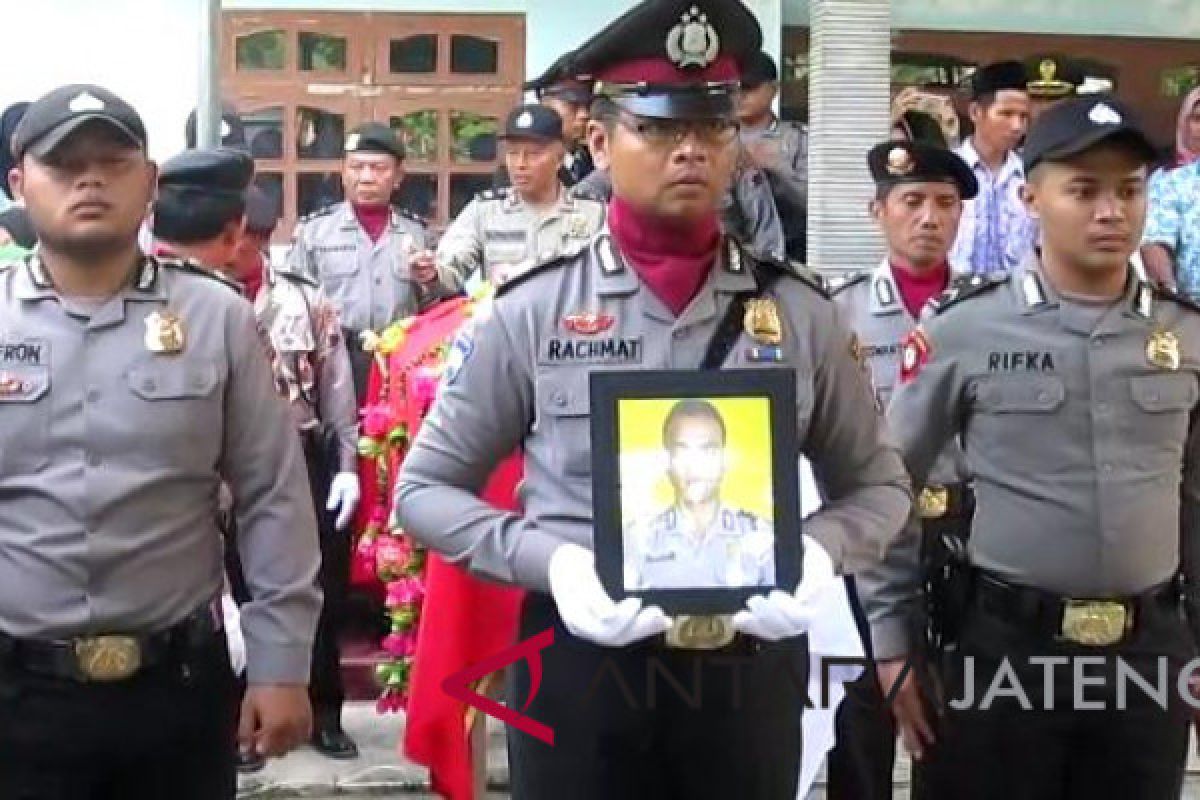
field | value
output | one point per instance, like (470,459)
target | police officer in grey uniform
(778,148)
(569,96)
(665,129)
(503,231)
(374,275)
(698,541)
(1074,386)
(129,389)
(920,190)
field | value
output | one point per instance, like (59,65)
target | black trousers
(650,722)
(1043,744)
(169,732)
(862,762)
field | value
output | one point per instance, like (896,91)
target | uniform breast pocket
(565,413)
(177,402)
(1034,395)
(1165,403)
(25,417)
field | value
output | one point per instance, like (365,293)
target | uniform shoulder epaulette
(1173,293)
(795,270)
(965,287)
(537,268)
(195,268)
(297,277)
(323,211)
(498,193)
(841,283)
(409,215)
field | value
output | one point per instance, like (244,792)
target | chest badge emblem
(1162,350)
(762,321)
(164,333)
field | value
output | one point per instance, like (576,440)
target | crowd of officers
(1031,491)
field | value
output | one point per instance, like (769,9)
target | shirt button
(93,395)
(149,385)
(1102,408)
(1043,397)
(559,399)
(93,460)
(1108,468)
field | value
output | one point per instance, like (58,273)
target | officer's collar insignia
(1031,289)
(588,323)
(1162,350)
(1145,302)
(164,333)
(884,293)
(693,42)
(1047,69)
(900,162)
(608,257)
(10,384)
(524,120)
(352,142)
(85,102)
(762,321)
(38,274)
(147,274)
(734,262)
(1104,114)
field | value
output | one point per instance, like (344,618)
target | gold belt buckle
(1094,623)
(701,632)
(933,502)
(104,659)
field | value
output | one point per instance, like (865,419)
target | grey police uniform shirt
(664,552)
(111,456)
(370,283)
(519,378)
(874,308)
(1082,449)
(499,231)
(789,172)
(748,211)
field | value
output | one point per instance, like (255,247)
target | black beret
(218,171)
(533,122)
(759,69)
(998,77)
(374,137)
(1080,123)
(58,114)
(233,130)
(896,162)
(262,211)
(1052,77)
(676,59)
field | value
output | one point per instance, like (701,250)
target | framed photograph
(695,488)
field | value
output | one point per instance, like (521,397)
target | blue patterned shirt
(995,234)
(1174,221)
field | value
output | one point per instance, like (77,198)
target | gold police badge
(762,321)
(1162,350)
(701,632)
(900,161)
(164,333)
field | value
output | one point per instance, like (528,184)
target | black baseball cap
(535,122)
(1078,124)
(895,162)
(55,116)
(375,137)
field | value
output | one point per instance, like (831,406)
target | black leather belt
(1096,622)
(951,500)
(108,658)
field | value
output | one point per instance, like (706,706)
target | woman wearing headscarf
(1187,130)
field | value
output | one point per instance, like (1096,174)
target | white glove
(343,498)
(780,615)
(232,619)
(586,609)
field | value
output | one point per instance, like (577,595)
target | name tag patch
(593,351)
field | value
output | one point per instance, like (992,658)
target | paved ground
(381,773)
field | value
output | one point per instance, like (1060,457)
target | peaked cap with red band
(672,59)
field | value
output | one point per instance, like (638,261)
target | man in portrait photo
(698,542)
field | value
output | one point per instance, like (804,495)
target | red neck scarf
(374,219)
(672,260)
(917,289)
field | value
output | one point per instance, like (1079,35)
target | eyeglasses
(671,132)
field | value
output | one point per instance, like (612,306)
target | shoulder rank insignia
(1173,293)
(323,211)
(966,287)
(297,277)
(914,354)
(797,271)
(195,268)
(411,216)
(841,283)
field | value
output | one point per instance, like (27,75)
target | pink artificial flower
(403,591)
(425,386)
(400,645)
(376,421)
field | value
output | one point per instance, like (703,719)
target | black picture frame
(608,389)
